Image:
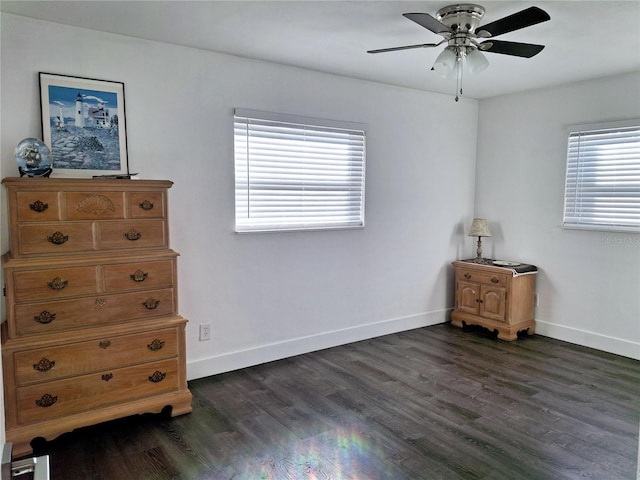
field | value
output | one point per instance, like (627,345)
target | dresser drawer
(69,396)
(38,206)
(55,238)
(53,316)
(54,362)
(130,276)
(94,206)
(147,204)
(132,234)
(489,278)
(55,283)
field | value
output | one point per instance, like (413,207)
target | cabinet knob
(44,365)
(58,238)
(38,206)
(132,235)
(139,276)
(58,283)
(104,344)
(157,377)
(151,304)
(45,317)
(155,345)
(47,400)
(495,280)
(467,276)
(146,205)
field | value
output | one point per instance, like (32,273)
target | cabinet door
(468,297)
(492,303)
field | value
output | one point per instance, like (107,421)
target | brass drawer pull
(38,206)
(47,400)
(132,235)
(58,238)
(155,345)
(58,284)
(467,276)
(107,376)
(495,280)
(151,304)
(139,276)
(100,302)
(104,344)
(44,365)
(157,377)
(45,317)
(146,205)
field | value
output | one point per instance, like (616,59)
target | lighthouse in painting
(79,115)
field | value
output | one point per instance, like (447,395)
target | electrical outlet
(536,299)
(205,331)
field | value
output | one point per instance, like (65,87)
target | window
(297,173)
(602,189)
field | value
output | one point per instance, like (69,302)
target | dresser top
(517,269)
(81,183)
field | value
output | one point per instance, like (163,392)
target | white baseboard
(227,362)
(618,346)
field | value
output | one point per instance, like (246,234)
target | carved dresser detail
(92,331)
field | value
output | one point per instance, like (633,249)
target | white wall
(270,295)
(589,282)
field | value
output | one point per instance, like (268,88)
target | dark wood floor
(433,403)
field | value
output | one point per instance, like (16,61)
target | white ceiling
(584,39)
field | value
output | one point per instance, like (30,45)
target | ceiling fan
(459,25)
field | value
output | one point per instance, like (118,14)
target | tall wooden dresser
(92,331)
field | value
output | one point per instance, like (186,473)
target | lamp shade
(479,228)
(445,64)
(476,61)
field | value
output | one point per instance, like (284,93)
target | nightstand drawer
(488,278)
(54,362)
(45,401)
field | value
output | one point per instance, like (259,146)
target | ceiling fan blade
(393,49)
(517,49)
(427,21)
(525,18)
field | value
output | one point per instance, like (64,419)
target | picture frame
(84,126)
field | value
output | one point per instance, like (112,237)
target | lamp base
(481,261)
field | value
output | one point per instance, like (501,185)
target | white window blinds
(295,173)
(602,189)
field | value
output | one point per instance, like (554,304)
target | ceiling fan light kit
(459,25)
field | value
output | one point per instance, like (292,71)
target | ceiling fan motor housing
(462,19)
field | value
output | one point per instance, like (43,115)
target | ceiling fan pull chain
(459,72)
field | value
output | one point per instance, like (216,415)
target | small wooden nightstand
(495,297)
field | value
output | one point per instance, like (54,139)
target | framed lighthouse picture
(84,126)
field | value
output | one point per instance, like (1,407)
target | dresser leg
(507,335)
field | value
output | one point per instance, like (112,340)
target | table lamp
(479,228)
